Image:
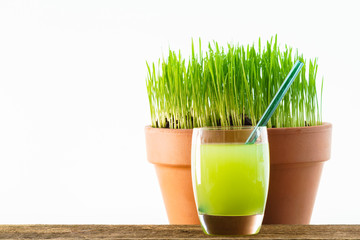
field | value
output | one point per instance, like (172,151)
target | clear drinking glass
(230,179)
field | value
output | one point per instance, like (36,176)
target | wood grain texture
(171,232)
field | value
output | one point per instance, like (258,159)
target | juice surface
(232,179)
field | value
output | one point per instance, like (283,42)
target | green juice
(232,179)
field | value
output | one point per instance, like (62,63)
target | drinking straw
(275,101)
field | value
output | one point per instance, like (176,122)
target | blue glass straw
(275,101)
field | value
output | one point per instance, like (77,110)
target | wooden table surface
(171,232)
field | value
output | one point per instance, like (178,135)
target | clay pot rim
(168,130)
(287,130)
(303,130)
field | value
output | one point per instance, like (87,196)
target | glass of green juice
(230,179)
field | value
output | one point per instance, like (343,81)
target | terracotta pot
(170,151)
(297,156)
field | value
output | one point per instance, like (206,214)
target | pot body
(170,151)
(297,156)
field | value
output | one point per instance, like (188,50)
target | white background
(73,102)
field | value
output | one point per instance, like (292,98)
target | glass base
(231,225)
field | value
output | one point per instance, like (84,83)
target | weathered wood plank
(171,232)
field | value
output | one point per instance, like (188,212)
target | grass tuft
(232,87)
